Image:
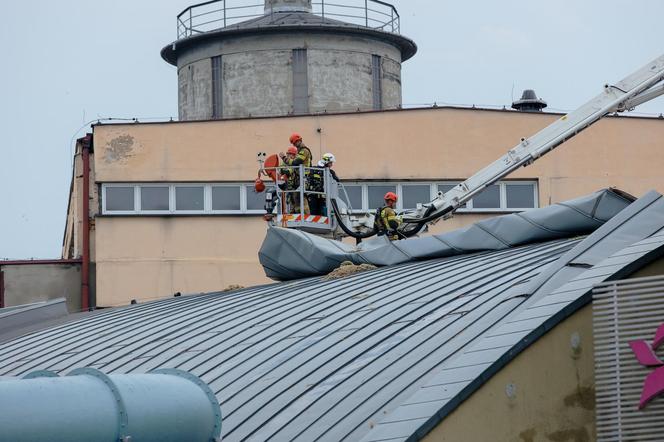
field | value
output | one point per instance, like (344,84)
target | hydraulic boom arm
(638,88)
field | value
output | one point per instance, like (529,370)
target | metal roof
(381,355)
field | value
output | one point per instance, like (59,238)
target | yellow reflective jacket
(386,221)
(303,157)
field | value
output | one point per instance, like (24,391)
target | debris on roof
(232,287)
(347,268)
(291,254)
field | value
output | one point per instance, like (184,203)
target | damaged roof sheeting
(342,359)
(291,254)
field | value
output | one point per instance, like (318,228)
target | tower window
(217,93)
(377,75)
(300,82)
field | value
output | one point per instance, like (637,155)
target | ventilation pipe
(86,147)
(165,405)
(529,102)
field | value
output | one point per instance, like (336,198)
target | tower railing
(219,14)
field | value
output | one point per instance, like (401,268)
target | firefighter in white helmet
(317,202)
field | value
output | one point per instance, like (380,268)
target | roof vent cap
(529,102)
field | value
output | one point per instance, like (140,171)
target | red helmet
(295,138)
(259,185)
(391,196)
(292,150)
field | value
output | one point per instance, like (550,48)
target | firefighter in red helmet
(293,181)
(386,220)
(302,157)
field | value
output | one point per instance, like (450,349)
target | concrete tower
(287,59)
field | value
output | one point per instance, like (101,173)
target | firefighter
(304,156)
(386,221)
(318,202)
(293,181)
(328,161)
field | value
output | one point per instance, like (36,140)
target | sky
(72,61)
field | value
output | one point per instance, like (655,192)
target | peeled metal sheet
(292,254)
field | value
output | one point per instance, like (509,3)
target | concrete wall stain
(528,435)
(571,435)
(119,148)
(583,397)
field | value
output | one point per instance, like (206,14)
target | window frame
(503,198)
(245,187)
(433,192)
(104,210)
(506,184)
(213,211)
(171,199)
(173,195)
(244,200)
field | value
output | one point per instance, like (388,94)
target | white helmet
(329,158)
(321,163)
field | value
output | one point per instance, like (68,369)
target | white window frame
(119,212)
(173,197)
(365,193)
(245,187)
(243,200)
(212,211)
(433,192)
(503,198)
(506,184)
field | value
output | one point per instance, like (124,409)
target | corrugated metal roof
(382,355)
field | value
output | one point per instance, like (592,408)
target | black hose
(428,216)
(346,230)
(420,223)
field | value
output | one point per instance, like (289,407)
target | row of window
(237,198)
(504,196)
(131,199)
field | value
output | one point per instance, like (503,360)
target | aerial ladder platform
(645,84)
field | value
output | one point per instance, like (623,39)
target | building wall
(147,258)
(26,284)
(257,78)
(195,90)
(410,144)
(72,241)
(523,403)
(339,80)
(391,83)
(424,144)
(257,83)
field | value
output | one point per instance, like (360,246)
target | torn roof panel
(389,351)
(290,254)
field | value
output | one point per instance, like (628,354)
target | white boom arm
(638,88)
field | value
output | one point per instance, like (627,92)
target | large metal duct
(165,405)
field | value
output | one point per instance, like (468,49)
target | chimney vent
(529,102)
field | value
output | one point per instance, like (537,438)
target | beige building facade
(141,251)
